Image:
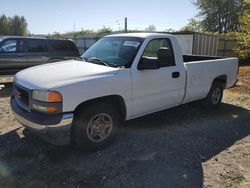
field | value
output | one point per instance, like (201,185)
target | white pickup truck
(121,77)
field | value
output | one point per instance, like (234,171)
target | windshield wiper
(83,58)
(103,62)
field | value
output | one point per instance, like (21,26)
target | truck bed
(202,71)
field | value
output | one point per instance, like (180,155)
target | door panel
(12,58)
(158,89)
(37,52)
(37,58)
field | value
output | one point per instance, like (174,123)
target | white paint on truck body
(143,91)
(200,76)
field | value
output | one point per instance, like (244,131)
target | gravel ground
(185,146)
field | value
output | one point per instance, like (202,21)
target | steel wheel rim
(99,127)
(216,96)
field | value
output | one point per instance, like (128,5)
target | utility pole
(119,25)
(126,25)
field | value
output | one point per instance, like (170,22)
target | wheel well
(221,79)
(115,100)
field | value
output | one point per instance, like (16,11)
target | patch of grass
(243,84)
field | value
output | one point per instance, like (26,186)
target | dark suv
(17,53)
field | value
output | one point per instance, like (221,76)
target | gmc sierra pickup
(121,77)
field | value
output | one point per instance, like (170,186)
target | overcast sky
(48,16)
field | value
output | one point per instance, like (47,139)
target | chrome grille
(22,95)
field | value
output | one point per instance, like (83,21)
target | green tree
(4,25)
(170,30)
(220,16)
(194,25)
(150,28)
(23,26)
(243,37)
(18,26)
(103,30)
(56,35)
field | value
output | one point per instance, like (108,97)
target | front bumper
(53,130)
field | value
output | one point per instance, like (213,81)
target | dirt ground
(185,147)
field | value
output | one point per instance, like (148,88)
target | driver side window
(160,50)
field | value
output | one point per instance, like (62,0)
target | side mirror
(148,64)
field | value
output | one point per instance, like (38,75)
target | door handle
(175,75)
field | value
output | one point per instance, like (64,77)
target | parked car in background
(18,53)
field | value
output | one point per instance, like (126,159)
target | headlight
(49,101)
(46,96)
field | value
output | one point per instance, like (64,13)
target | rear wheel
(214,96)
(95,126)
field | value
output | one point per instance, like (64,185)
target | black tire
(91,123)
(214,96)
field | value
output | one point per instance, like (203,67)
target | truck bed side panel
(201,74)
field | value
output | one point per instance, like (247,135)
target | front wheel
(214,96)
(95,126)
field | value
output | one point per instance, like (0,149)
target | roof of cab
(139,35)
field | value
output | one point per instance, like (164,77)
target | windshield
(113,51)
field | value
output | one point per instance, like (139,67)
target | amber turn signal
(54,97)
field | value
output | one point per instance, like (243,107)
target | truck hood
(61,73)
